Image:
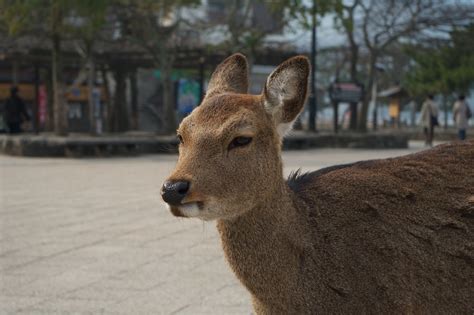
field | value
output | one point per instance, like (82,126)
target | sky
(326,36)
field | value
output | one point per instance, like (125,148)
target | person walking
(429,119)
(462,113)
(15,112)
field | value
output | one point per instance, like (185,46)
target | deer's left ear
(286,90)
(231,76)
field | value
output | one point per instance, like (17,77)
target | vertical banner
(42,105)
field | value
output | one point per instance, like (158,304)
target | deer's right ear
(286,90)
(230,76)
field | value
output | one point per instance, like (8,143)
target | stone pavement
(91,236)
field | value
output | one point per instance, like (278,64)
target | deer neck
(264,241)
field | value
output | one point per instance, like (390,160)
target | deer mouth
(187,210)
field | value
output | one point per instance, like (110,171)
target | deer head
(229,153)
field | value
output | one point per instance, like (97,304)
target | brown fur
(230,76)
(384,236)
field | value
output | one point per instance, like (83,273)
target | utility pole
(313,98)
(202,60)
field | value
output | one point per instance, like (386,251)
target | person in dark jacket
(15,111)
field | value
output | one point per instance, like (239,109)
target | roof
(392,92)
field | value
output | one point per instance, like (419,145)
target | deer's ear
(286,90)
(230,76)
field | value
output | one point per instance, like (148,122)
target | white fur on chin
(191,210)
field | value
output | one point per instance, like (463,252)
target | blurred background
(101,78)
(114,66)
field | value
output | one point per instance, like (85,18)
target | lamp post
(312,97)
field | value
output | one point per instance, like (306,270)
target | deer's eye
(239,142)
(180,139)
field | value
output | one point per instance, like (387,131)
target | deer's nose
(173,192)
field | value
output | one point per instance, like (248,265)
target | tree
(445,67)
(307,15)
(155,26)
(383,22)
(372,27)
(90,19)
(57,21)
(247,23)
(345,18)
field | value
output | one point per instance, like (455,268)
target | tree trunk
(49,124)
(354,58)
(119,116)
(354,61)
(134,99)
(353,73)
(90,88)
(250,61)
(60,116)
(362,121)
(108,99)
(36,102)
(168,103)
(169,120)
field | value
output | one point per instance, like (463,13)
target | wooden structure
(394,97)
(26,63)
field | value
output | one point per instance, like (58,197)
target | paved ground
(91,236)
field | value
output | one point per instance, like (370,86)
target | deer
(381,236)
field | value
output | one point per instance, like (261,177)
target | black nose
(173,192)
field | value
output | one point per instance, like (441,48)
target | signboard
(26,91)
(394,108)
(346,92)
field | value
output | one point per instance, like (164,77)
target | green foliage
(446,69)
(15,15)
(34,16)
(157,6)
(152,25)
(93,12)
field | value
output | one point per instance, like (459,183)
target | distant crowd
(429,117)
